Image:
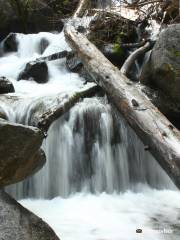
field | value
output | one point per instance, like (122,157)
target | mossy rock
(162,70)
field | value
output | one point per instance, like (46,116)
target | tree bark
(133,57)
(53,56)
(53,113)
(82,7)
(153,128)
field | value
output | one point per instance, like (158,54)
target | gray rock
(74,64)
(10,43)
(18,223)
(20,153)
(6,86)
(165,104)
(162,70)
(38,71)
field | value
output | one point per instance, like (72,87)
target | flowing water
(98,183)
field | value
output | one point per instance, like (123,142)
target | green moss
(168,67)
(118,49)
(177,53)
(174,52)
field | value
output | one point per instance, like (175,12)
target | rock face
(20,154)
(18,223)
(38,71)
(163,67)
(164,103)
(6,86)
(10,44)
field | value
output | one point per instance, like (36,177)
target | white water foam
(60,79)
(112,217)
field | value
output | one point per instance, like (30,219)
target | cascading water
(101,182)
(91,149)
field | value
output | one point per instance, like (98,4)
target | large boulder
(162,70)
(36,70)
(20,153)
(164,103)
(18,223)
(6,86)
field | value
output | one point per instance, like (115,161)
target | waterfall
(91,149)
(96,165)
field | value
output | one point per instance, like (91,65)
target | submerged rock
(74,64)
(18,223)
(2,113)
(20,154)
(44,43)
(162,70)
(10,43)
(6,86)
(37,71)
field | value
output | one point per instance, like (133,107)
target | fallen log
(53,56)
(82,7)
(153,128)
(51,114)
(134,56)
(133,45)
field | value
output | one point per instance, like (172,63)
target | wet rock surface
(162,70)
(20,153)
(18,223)
(10,43)
(6,86)
(74,64)
(165,104)
(36,70)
